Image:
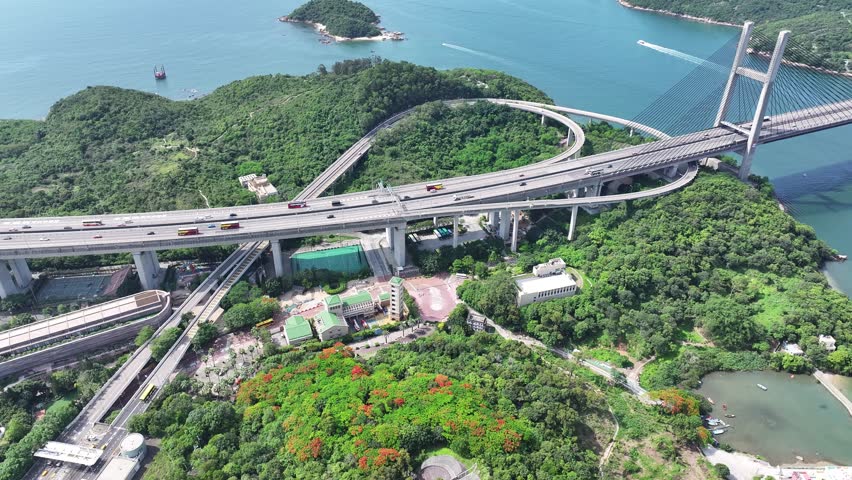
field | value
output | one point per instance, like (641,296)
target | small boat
(711,401)
(160,72)
(718,431)
(841,258)
(762,387)
(729,415)
(642,42)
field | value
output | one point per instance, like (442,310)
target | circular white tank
(133,445)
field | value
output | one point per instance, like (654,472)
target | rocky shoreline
(328,38)
(624,3)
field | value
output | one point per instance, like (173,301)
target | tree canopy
(343,18)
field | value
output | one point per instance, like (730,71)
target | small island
(341,20)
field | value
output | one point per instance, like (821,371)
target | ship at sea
(160,72)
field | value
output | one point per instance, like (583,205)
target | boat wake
(682,56)
(477,53)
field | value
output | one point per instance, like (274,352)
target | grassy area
(62,402)
(610,356)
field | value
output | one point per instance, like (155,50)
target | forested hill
(820,28)
(107,149)
(343,18)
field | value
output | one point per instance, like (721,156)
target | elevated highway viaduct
(60,236)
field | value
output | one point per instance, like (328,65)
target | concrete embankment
(825,380)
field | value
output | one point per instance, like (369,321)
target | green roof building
(330,326)
(297,330)
(359,304)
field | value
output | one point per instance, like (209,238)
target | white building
(793,349)
(828,342)
(396,301)
(554,266)
(533,289)
(127,463)
(259,185)
(330,326)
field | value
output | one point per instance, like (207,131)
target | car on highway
(523,184)
(521,175)
(330,216)
(151,233)
(211,225)
(7,238)
(98,236)
(13,230)
(25,227)
(456,198)
(336,203)
(43,239)
(67,227)
(297,204)
(232,215)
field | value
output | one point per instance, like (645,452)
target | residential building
(330,326)
(554,266)
(358,305)
(828,342)
(259,185)
(334,305)
(793,349)
(533,289)
(396,299)
(477,322)
(297,330)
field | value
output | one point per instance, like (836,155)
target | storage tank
(133,445)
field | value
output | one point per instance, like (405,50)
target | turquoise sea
(583,53)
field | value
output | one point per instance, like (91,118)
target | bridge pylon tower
(767,79)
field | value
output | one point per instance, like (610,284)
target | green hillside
(820,29)
(108,149)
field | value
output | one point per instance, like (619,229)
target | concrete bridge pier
(148,268)
(574,211)
(15,277)
(671,172)
(455,231)
(277,257)
(493,221)
(515,223)
(389,237)
(505,220)
(399,244)
(543,120)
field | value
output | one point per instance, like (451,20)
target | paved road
(375,209)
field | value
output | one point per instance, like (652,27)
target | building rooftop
(297,328)
(533,284)
(66,452)
(326,320)
(384,296)
(396,281)
(359,297)
(119,468)
(332,300)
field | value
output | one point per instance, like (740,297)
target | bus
(264,323)
(297,204)
(187,231)
(434,187)
(92,223)
(146,394)
(229,225)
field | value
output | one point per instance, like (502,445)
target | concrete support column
(277,257)
(515,230)
(574,211)
(671,172)
(389,236)
(455,231)
(543,120)
(22,273)
(435,221)
(505,220)
(399,244)
(8,286)
(148,268)
(493,220)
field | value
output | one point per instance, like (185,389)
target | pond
(793,417)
